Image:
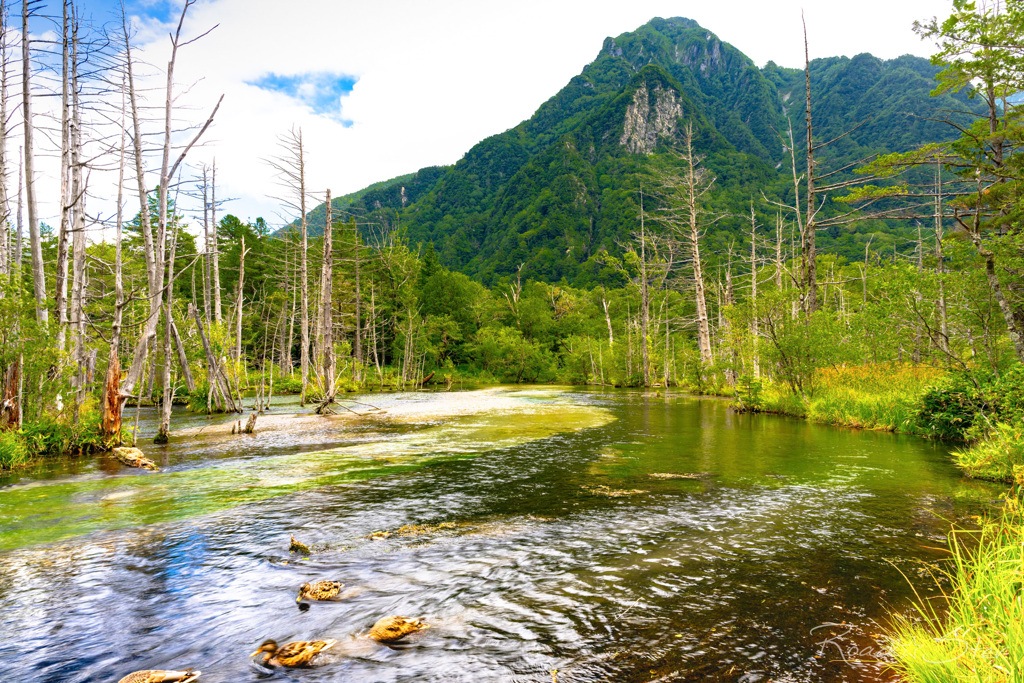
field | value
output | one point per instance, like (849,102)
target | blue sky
(321,91)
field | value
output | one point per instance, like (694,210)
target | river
(554,534)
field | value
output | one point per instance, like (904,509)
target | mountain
(561,189)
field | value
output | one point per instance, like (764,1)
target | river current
(545,534)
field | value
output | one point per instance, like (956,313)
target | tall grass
(980,636)
(874,396)
(999,456)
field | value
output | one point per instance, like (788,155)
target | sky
(383,88)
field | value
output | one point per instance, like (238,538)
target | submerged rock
(133,457)
(603,490)
(674,475)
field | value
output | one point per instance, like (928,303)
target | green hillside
(560,190)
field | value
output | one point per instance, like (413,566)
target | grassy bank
(977,633)
(883,396)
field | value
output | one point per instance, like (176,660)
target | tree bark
(79,274)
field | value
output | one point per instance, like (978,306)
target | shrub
(950,409)
(13,450)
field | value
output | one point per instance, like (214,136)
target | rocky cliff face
(651,115)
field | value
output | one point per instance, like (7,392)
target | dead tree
(687,219)
(167,172)
(327,318)
(290,169)
(38,275)
(113,399)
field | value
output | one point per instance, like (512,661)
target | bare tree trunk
(38,276)
(186,371)
(154,262)
(6,249)
(219,387)
(167,172)
(78,225)
(726,325)
(207,255)
(693,214)
(608,320)
(110,426)
(217,307)
(327,317)
(66,192)
(19,239)
(357,367)
(291,326)
(754,331)
(303,273)
(810,253)
(645,297)
(240,301)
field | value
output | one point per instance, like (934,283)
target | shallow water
(766,548)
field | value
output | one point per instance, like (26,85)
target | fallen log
(133,457)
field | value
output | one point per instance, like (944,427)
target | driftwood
(133,457)
(250,424)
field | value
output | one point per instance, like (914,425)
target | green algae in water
(44,512)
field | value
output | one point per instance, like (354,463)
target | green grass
(13,450)
(979,636)
(876,396)
(999,457)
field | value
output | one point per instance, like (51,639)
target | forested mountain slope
(560,190)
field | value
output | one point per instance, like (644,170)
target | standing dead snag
(326,316)
(111,423)
(167,172)
(113,399)
(35,239)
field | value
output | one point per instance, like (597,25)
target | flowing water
(552,535)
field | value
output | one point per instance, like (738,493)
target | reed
(975,631)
